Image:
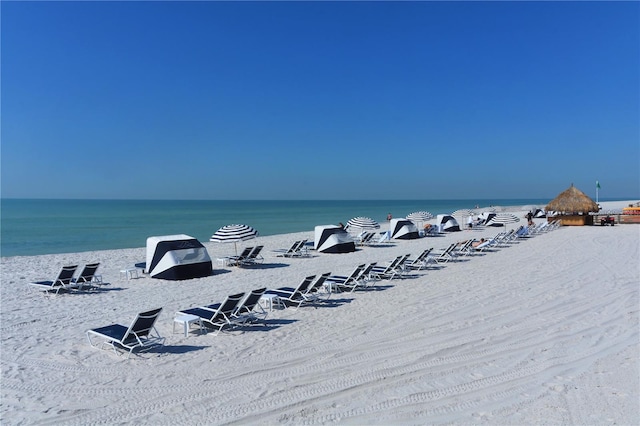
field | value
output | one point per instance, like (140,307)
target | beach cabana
(572,207)
(403,229)
(487,216)
(177,257)
(333,239)
(447,223)
(539,213)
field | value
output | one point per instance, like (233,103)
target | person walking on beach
(389,217)
(529,217)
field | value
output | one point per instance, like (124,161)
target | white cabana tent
(403,229)
(447,223)
(539,213)
(486,216)
(333,239)
(177,257)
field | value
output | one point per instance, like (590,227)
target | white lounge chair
(290,296)
(235,260)
(88,277)
(250,310)
(421,261)
(218,315)
(313,291)
(253,257)
(335,281)
(444,256)
(297,249)
(394,269)
(360,279)
(63,282)
(141,334)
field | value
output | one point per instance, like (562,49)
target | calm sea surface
(34,227)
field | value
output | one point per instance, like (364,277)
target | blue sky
(319,100)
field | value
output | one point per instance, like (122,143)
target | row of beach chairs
(297,249)
(249,256)
(66,280)
(234,310)
(242,309)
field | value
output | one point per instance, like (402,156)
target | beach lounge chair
(335,281)
(290,296)
(63,282)
(253,257)
(392,270)
(250,309)
(218,315)
(365,276)
(140,334)
(420,262)
(361,280)
(523,232)
(313,292)
(463,249)
(483,246)
(497,239)
(385,237)
(88,277)
(508,237)
(235,260)
(366,238)
(538,229)
(291,251)
(445,255)
(297,249)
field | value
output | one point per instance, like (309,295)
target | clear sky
(319,100)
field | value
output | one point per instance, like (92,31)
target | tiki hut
(573,207)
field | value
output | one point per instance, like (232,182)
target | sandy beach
(542,331)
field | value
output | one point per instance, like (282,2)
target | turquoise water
(35,227)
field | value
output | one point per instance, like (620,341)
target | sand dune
(543,331)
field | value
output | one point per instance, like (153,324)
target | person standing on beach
(389,217)
(529,217)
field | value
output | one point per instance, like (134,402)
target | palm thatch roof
(572,200)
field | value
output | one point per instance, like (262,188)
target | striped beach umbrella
(364,223)
(421,216)
(463,213)
(234,234)
(502,219)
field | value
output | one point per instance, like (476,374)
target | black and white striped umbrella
(502,219)
(463,213)
(421,216)
(364,223)
(234,234)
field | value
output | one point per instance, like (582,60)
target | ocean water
(35,227)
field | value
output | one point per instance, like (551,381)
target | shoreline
(529,333)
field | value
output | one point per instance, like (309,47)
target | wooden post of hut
(572,207)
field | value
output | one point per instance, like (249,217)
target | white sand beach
(543,331)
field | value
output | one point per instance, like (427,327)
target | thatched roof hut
(573,200)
